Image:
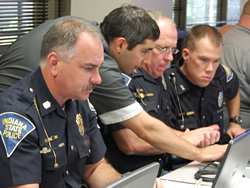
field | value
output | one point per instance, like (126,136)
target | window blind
(18,17)
(188,13)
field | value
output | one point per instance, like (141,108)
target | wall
(96,10)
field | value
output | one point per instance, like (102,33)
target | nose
(168,56)
(96,78)
(147,57)
(210,67)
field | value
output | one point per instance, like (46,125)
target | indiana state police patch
(13,129)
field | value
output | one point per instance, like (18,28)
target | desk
(184,178)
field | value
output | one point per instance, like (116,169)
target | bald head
(158,15)
(246,8)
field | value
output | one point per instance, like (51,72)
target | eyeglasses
(167,50)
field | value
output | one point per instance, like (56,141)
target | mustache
(92,86)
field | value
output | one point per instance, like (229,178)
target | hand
(234,130)
(213,153)
(158,183)
(203,136)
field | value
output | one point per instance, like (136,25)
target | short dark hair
(131,22)
(201,31)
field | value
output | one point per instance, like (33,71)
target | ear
(185,54)
(53,60)
(120,44)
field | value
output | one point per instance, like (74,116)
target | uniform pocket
(217,116)
(49,159)
(83,146)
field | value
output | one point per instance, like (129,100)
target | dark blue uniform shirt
(200,107)
(72,133)
(153,97)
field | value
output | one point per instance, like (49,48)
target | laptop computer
(234,162)
(142,177)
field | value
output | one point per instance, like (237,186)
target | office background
(17,17)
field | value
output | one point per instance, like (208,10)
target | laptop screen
(142,177)
(234,162)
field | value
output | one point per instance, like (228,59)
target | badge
(220,99)
(79,122)
(14,128)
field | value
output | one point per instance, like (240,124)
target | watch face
(238,119)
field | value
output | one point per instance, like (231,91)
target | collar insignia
(46,105)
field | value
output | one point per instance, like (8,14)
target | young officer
(199,84)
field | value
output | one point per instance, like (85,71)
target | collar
(45,101)
(142,73)
(182,83)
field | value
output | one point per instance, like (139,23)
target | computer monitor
(142,177)
(234,162)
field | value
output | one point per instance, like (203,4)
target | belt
(163,161)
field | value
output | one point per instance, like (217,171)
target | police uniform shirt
(199,107)
(112,99)
(26,155)
(152,95)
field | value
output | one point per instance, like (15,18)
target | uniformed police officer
(199,84)
(126,151)
(49,132)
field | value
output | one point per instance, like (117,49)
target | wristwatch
(236,119)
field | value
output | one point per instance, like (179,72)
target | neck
(245,20)
(50,82)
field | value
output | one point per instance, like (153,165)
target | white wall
(164,6)
(96,10)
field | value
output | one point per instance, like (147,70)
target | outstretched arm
(233,106)
(162,137)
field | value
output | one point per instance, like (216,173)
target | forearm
(100,174)
(162,137)
(130,144)
(233,105)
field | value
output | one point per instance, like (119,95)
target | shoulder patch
(91,107)
(127,79)
(13,129)
(229,73)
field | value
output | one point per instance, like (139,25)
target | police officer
(125,150)
(199,84)
(49,132)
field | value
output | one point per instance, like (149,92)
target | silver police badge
(79,122)
(220,99)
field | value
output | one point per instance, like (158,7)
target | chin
(204,85)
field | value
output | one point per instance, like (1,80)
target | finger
(201,144)
(217,138)
(212,137)
(215,127)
